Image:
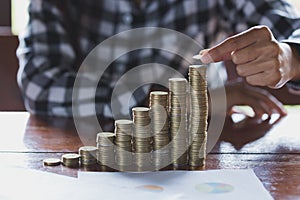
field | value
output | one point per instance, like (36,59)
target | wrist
(295,63)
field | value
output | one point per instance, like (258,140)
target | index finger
(223,50)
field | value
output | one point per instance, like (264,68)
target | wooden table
(272,151)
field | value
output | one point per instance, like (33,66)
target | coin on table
(71,159)
(51,162)
(88,155)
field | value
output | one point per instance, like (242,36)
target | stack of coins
(71,160)
(178,118)
(142,141)
(106,150)
(123,141)
(199,114)
(160,127)
(88,155)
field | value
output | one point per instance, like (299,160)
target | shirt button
(127,18)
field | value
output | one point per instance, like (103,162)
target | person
(59,36)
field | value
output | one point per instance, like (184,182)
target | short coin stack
(71,160)
(160,127)
(178,118)
(88,155)
(123,141)
(142,140)
(106,149)
(199,114)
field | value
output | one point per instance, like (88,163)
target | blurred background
(13,19)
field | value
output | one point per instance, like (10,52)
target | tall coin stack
(123,141)
(88,155)
(106,150)
(178,118)
(142,141)
(160,128)
(199,115)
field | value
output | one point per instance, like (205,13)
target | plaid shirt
(60,35)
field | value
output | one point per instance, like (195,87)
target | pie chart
(214,188)
(150,188)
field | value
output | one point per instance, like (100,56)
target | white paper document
(26,184)
(214,185)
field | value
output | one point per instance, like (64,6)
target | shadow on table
(246,131)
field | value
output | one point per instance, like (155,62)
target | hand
(258,56)
(261,101)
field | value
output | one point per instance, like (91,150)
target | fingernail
(205,58)
(197,57)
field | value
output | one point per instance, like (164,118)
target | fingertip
(281,110)
(284,112)
(200,54)
(197,57)
(206,58)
